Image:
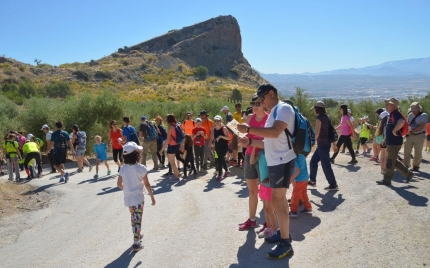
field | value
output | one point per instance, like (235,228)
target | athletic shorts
(251,171)
(234,143)
(80,152)
(363,141)
(265,193)
(428,137)
(172,149)
(280,175)
(60,158)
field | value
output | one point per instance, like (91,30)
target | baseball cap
(130,147)
(203,112)
(44,126)
(349,111)
(264,88)
(144,117)
(29,136)
(392,101)
(217,117)
(188,113)
(198,119)
(225,108)
(383,114)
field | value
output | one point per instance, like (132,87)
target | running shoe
(96,176)
(62,179)
(293,214)
(262,228)
(282,250)
(307,211)
(332,188)
(226,174)
(312,183)
(66,177)
(268,232)
(247,225)
(91,168)
(79,170)
(332,160)
(108,172)
(373,158)
(167,174)
(136,247)
(368,151)
(218,178)
(353,161)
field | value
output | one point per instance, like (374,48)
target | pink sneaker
(247,225)
(373,158)
(226,174)
(262,228)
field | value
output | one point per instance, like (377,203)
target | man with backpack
(417,121)
(60,141)
(148,132)
(280,157)
(48,133)
(396,128)
(129,132)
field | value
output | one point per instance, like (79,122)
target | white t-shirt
(48,135)
(133,184)
(277,150)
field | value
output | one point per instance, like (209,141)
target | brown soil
(15,198)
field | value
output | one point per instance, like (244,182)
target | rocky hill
(162,68)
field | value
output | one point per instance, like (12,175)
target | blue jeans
(322,154)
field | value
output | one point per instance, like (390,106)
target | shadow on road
(99,179)
(303,224)
(124,260)
(163,185)
(350,168)
(109,190)
(40,189)
(413,199)
(328,200)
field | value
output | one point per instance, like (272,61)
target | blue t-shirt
(101,151)
(390,138)
(301,164)
(127,130)
(262,164)
(56,135)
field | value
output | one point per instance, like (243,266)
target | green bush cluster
(201,71)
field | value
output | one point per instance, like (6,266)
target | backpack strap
(287,132)
(413,120)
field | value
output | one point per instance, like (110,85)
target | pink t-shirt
(345,130)
(253,123)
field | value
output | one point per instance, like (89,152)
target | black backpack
(332,134)
(61,143)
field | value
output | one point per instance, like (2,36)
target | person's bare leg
(172,161)
(253,197)
(280,205)
(270,215)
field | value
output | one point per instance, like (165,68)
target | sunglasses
(261,98)
(113,125)
(258,104)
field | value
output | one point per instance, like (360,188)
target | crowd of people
(260,146)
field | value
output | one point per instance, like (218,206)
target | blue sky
(278,36)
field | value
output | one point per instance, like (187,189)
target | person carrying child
(300,191)
(100,150)
(132,177)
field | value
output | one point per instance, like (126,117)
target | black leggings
(116,153)
(161,157)
(221,160)
(348,143)
(189,161)
(31,156)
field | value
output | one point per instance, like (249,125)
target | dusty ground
(194,224)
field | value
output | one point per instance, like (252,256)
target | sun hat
(203,112)
(318,104)
(393,101)
(44,126)
(130,147)
(188,113)
(217,117)
(415,106)
(225,108)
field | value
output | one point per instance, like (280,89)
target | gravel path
(194,224)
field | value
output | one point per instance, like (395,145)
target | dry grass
(15,198)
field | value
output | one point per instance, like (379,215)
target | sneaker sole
(286,254)
(252,227)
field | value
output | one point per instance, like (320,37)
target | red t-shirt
(114,138)
(199,140)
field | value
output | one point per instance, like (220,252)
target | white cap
(217,117)
(44,126)
(29,136)
(130,147)
(225,108)
(349,111)
(383,114)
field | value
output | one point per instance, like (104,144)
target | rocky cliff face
(215,44)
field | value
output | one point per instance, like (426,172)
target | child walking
(300,190)
(188,155)
(100,150)
(132,177)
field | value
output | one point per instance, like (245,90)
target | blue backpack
(179,134)
(303,136)
(152,133)
(133,134)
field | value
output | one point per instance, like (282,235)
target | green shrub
(102,75)
(218,73)
(201,71)
(58,89)
(81,75)
(234,71)
(171,41)
(22,68)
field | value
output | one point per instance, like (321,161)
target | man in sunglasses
(280,160)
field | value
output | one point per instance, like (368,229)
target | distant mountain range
(402,78)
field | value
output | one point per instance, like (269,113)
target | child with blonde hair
(100,150)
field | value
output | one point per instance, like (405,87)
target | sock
(137,242)
(252,219)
